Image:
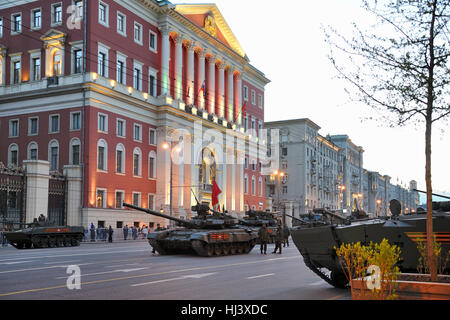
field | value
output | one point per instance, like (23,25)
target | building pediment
(53,34)
(209,18)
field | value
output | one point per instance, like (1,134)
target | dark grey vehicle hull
(316,244)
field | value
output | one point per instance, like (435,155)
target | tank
(206,234)
(316,242)
(255,220)
(42,233)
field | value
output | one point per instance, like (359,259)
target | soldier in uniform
(286,234)
(278,239)
(263,235)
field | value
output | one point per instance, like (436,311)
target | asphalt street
(128,270)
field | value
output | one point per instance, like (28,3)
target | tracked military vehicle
(256,219)
(316,242)
(206,234)
(42,233)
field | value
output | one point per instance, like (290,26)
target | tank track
(222,249)
(337,280)
(38,242)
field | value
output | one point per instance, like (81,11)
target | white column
(221,93)
(238,106)
(190,73)
(178,67)
(37,175)
(201,78)
(74,174)
(211,84)
(165,57)
(230,116)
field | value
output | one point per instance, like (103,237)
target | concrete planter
(409,286)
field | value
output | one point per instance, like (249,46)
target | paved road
(129,271)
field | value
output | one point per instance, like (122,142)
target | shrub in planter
(373,266)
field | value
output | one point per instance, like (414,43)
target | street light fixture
(278,174)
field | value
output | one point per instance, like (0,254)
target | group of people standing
(135,232)
(101,233)
(281,237)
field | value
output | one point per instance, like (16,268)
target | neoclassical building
(138,101)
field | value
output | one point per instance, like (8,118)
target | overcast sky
(285,41)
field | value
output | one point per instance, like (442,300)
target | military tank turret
(316,242)
(255,220)
(207,234)
(42,233)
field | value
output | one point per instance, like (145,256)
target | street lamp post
(278,174)
(341,196)
(168,146)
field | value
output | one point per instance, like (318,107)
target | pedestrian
(134,233)
(110,234)
(145,232)
(263,236)
(278,239)
(286,234)
(125,232)
(92,232)
(104,233)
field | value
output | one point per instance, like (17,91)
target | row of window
(253,165)
(53,124)
(253,186)
(121,129)
(53,153)
(121,70)
(36,17)
(253,95)
(138,30)
(119,197)
(102,160)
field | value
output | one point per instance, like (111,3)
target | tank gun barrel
(331,214)
(434,194)
(298,219)
(158,214)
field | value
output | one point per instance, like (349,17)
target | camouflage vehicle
(316,242)
(255,220)
(42,233)
(206,235)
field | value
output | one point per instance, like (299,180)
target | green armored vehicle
(44,234)
(255,220)
(206,235)
(316,242)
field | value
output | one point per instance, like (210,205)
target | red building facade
(103,85)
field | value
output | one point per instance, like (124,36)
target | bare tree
(401,65)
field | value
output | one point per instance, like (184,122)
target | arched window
(13,155)
(246,183)
(253,185)
(260,187)
(120,158)
(32,151)
(74,151)
(152,165)
(137,162)
(53,155)
(102,155)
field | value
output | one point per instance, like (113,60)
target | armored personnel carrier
(316,242)
(42,233)
(255,220)
(206,235)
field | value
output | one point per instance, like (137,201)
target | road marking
(61,261)
(77,254)
(44,268)
(105,272)
(17,262)
(139,276)
(261,276)
(317,283)
(193,276)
